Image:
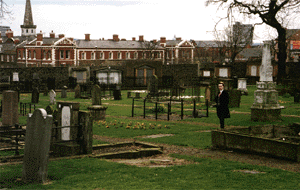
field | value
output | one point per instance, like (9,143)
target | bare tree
(271,12)
(5,12)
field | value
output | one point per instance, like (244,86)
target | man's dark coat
(222,105)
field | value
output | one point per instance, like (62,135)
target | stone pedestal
(98,112)
(265,106)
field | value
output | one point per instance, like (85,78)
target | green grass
(90,173)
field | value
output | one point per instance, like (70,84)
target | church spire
(28,28)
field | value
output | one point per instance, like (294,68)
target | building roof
(208,43)
(110,44)
(251,53)
(291,32)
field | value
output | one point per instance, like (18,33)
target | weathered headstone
(37,146)
(96,95)
(52,96)
(86,142)
(65,121)
(153,86)
(49,109)
(77,91)
(266,106)
(46,91)
(35,96)
(10,114)
(207,93)
(64,92)
(68,116)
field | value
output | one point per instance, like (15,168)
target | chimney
(17,40)
(123,39)
(178,39)
(9,33)
(154,41)
(72,39)
(141,38)
(61,35)
(39,36)
(1,41)
(115,37)
(133,38)
(87,37)
(52,34)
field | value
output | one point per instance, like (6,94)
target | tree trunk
(282,55)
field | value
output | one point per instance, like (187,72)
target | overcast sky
(188,19)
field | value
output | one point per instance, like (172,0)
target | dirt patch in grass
(155,136)
(248,158)
(162,160)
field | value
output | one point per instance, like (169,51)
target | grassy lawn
(90,173)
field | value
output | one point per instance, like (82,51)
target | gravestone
(77,91)
(242,85)
(66,138)
(49,109)
(153,86)
(52,96)
(68,116)
(65,121)
(266,106)
(96,95)
(35,96)
(10,114)
(46,91)
(37,146)
(86,142)
(64,92)
(207,93)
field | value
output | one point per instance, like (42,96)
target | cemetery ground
(188,160)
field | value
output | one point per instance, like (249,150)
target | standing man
(222,100)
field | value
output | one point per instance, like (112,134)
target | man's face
(221,87)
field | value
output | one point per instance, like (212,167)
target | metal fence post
(156,110)
(132,110)
(145,108)
(181,108)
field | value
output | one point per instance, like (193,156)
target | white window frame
(93,55)
(110,55)
(101,55)
(61,54)
(127,55)
(119,55)
(68,54)
(83,55)
(136,55)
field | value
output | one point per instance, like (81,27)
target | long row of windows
(9,58)
(66,54)
(110,55)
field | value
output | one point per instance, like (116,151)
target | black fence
(26,108)
(12,135)
(150,107)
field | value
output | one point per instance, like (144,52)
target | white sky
(188,19)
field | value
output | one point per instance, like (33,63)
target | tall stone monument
(265,106)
